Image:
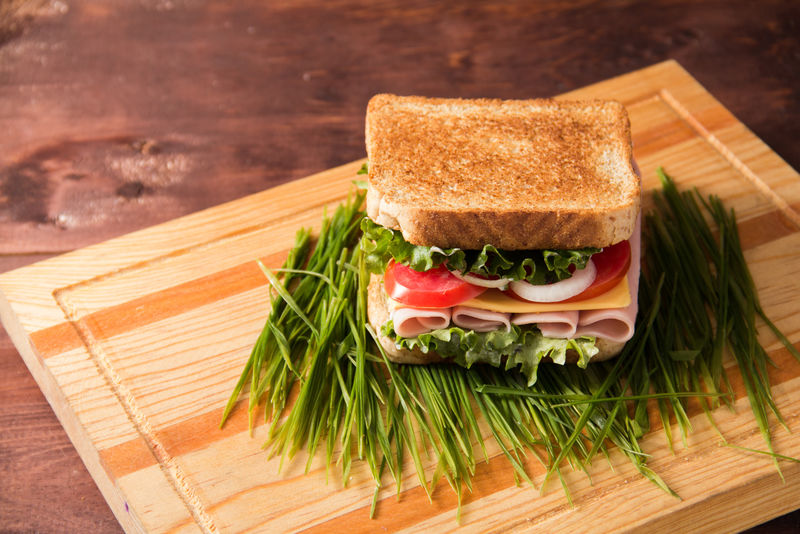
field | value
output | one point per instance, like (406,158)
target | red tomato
(612,265)
(436,288)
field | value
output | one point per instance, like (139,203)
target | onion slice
(558,291)
(499,283)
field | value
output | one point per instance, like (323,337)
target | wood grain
(136,342)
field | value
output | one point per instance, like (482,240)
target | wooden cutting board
(138,341)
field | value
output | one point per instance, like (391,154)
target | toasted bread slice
(518,174)
(378,314)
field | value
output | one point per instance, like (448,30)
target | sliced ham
(552,324)
(616,324)
(411,322)
(480,320)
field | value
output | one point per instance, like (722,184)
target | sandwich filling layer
(470,333)
(610,315)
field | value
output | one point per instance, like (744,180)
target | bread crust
(378,314)
(523,174)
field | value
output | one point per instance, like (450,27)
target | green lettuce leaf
(535,266)
(520,346)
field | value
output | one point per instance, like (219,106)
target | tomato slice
(612,265)
(435,288)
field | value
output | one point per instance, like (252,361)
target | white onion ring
(500,283)
(558,291)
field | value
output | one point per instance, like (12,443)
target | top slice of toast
(517,174)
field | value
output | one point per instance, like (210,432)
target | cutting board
(137,343)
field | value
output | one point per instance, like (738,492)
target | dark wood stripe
(189,435)
(153,307)
(127,457)
(412,506)
(56,339)
(648,141)
(651,139)
(184,437)
(764,228)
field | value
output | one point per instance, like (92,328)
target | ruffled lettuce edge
(524,347)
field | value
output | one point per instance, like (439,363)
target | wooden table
(117,116)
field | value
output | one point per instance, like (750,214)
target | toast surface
(522,174)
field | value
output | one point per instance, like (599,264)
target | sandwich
(501,232)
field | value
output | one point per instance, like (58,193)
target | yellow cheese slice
(495,300)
